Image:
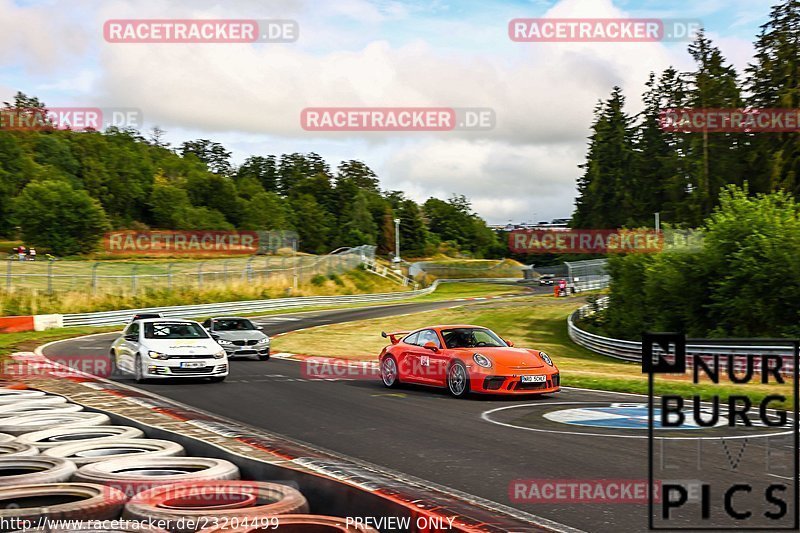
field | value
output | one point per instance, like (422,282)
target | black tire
(217,379)
(138,373)
(458,387)
(96,502)
(134,475)
(169,503)
(33,470)
(113,370)
(264,357)
(50,438)
(84,453)
(390,375)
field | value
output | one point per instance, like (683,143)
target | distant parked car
(239,336)
(143,316)
(546,279)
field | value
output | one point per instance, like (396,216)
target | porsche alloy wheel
(458,380)
(389,372)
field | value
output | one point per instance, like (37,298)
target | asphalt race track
(479,445)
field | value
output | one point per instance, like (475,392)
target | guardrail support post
(225,271)
(133,278)
(50,277)
(94,278)
(169,276)
(8,276)
(200,275)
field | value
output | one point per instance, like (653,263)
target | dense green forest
(740,189)
(634,168)
(60,190)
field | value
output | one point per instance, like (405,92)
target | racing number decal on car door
(424,360)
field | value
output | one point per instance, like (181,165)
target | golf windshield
(174,330)
(233,324)
(471,338)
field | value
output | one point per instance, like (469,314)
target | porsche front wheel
(458,380)
(389,372)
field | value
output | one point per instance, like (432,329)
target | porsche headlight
(157,355)
(223,342)
(263,341)
(546,358)
(219,355)
(482,360)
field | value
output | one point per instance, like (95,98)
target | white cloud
(361,53)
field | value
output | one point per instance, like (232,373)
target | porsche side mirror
(431,346)
(511,344)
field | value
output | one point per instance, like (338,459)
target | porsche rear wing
(394,337)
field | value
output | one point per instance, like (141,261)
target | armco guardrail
(111,318)
(632,350)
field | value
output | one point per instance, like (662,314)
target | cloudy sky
(371,53)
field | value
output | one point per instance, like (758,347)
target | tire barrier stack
(59,462)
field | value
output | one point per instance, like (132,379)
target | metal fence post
(8,276)
(50,277)
(249,268)
(133,278)
(169,276)
(94,278)
(200,275)
(225,271)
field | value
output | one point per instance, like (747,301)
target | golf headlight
(157,355)
(546,358)
(219,355)
(263,341)
(482,360)
(223,342)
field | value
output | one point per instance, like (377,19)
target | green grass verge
(451,291)
(536,322)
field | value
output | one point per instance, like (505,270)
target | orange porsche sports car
(466,359)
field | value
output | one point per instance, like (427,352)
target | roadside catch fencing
(733,350)
(467,269)
(132,277)
(588,275)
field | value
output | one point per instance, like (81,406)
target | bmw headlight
(546,358)
(265,340)
(219,355)
(223,342)
(157,355)
(482,360)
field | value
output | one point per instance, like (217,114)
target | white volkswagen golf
(168,348)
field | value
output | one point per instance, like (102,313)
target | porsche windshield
(471,338)
(174,330)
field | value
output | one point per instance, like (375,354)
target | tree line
(634,168)
(60,190)
(740,189)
